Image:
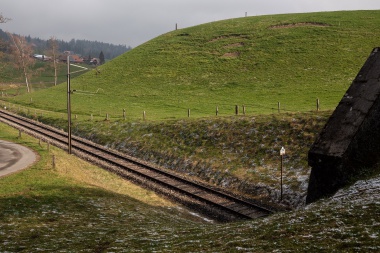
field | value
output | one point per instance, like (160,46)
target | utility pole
(68,106)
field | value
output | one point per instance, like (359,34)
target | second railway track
(207,200)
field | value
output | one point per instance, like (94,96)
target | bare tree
(53,49)
(3,44)
(3,19)
(21,52)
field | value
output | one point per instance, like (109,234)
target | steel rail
(218,199)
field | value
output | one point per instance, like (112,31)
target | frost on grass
(239,154)
(349,221)
(368,188)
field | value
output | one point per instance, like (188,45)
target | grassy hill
(254,61)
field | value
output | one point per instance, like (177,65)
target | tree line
(85,48)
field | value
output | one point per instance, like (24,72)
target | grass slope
(255,61)
(239,154)
(77,207)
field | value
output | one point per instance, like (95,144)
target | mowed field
(257,62)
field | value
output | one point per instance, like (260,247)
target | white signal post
(282,153)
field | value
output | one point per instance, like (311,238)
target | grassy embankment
(77,207)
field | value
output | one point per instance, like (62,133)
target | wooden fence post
(144,115)
(217,111)
(317,104)
(236,110)
(278,106)
(124,115)
(53,162)
(243,109)
(188,113)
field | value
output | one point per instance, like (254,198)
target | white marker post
(282,153)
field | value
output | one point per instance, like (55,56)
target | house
(42,57)
(73,57)
(76,58)
(95,61)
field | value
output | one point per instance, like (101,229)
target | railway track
(209,201)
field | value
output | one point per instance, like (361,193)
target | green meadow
(255,62)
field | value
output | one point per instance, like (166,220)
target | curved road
(14,157)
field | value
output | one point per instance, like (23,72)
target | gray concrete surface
(14,157)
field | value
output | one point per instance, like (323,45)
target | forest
(81,47)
